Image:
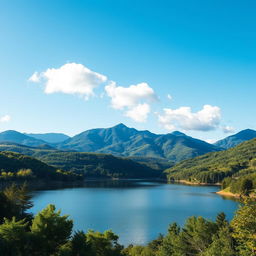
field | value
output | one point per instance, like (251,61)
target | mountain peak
(10,132)
(121,125)
(236,139)
(246,131)
(177,133)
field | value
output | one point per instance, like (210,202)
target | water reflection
(136,210)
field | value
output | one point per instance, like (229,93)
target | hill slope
(92,164)
(214,167)
(233,140)
(11,163)
(20,138)
(123,141)
(49,137)
(99,165)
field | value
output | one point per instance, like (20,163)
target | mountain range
(127,142)
(234,140)
(123,141)
(49,137)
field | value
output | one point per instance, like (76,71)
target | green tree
(244,229)
(79,245)
(50,231)
(103,244)
(222,245)
(246,186)
(19,200)
(13,237)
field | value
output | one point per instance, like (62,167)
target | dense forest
(49,233)
(14,166)
(214,167)
(99,165)
(85,161)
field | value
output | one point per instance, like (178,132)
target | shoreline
(186,182)
(239,196)
(228,194)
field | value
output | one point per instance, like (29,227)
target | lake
(135,210)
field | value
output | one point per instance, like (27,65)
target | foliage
(214,167)
(50,231)
(99,165)
(15,201)
(18,167)
(72,164)
(244,229)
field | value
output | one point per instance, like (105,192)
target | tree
(79,245)
(246,186)
(170,243)
(221,220)
(19,200)
(50,231)
(244,229)
(13,237)
(103,244)
(222,242)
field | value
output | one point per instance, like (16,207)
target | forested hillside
(15,166)
(214,167)
(87,162)
(99,165)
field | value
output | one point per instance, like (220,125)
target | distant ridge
(123,141)
(49,137)
(233,140)
(20,138)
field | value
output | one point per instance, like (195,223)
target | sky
(165,65)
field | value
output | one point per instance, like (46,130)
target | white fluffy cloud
(183,118)
(131,96)
(139,113)
(134,99)
(71,78)
(5,119)
(228,129)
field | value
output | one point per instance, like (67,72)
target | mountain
(214,167)
(123,141)
(20,138)
(233,140)
(49,137)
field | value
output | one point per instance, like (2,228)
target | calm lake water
(135,210)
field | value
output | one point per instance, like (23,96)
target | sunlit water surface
(135,210)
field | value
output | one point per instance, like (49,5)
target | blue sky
(199,52)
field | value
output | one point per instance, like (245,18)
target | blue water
(135,210)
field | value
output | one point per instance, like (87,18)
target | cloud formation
(207,119)
(228,129)
(5,119)
(131,96)
(71,78)
(134,99)
(139,113)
